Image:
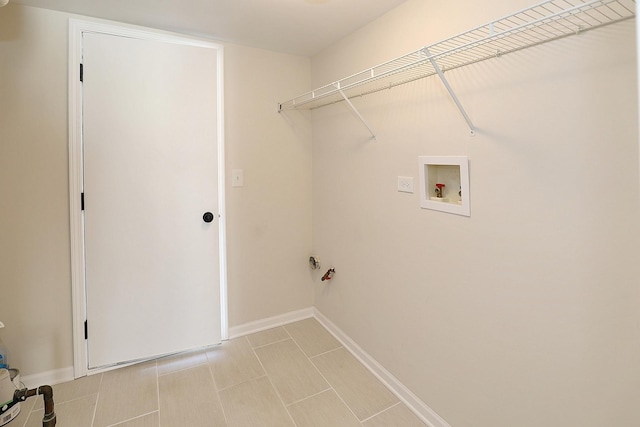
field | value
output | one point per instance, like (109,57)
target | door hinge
(86,331)
(82,201)
(81,72)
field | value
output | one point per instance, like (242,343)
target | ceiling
(302,27)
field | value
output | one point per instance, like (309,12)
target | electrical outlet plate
(405,184)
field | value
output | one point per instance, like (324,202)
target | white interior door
(150,174)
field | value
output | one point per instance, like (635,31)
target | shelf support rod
(445,82)
(356,112)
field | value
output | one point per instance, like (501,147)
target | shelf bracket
(436,67)
(356,112)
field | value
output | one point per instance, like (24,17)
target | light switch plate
(237,178)
(405,184)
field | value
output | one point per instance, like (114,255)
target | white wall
(525,313)
(35,277)
(268,220)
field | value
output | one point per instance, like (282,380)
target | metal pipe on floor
(49,419)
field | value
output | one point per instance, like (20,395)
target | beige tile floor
(297,375)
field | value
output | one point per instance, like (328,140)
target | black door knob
(208,217)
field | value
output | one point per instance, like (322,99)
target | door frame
(78,291)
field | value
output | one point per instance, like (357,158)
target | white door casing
(118,206)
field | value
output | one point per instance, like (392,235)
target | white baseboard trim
(62,375)
(270,322)
(53,377)
(424,412)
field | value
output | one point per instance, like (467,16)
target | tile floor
(297,375)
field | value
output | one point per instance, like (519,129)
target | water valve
(329,274)
(314,262)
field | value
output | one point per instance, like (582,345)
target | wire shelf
(544,22)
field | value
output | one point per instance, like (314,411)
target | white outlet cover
(405,184)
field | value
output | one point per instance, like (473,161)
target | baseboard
(270,322)
(52,377)
(424,412)
(62,375)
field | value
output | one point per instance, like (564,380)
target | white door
(150,175)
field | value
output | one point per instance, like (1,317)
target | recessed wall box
(444,184)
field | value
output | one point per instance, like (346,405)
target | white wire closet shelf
(544,22)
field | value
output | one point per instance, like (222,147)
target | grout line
(336,392)
(284,327)
(119,423)
(266,374)
(84,396)
(424,413)
(309,397)
(241,382)
(284,406)
(325,378)
(274,342)
(326,352)
(384,410)
(33,405)
(215,389)
(158,391)
(95,408)
(186,368)
(209,363)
